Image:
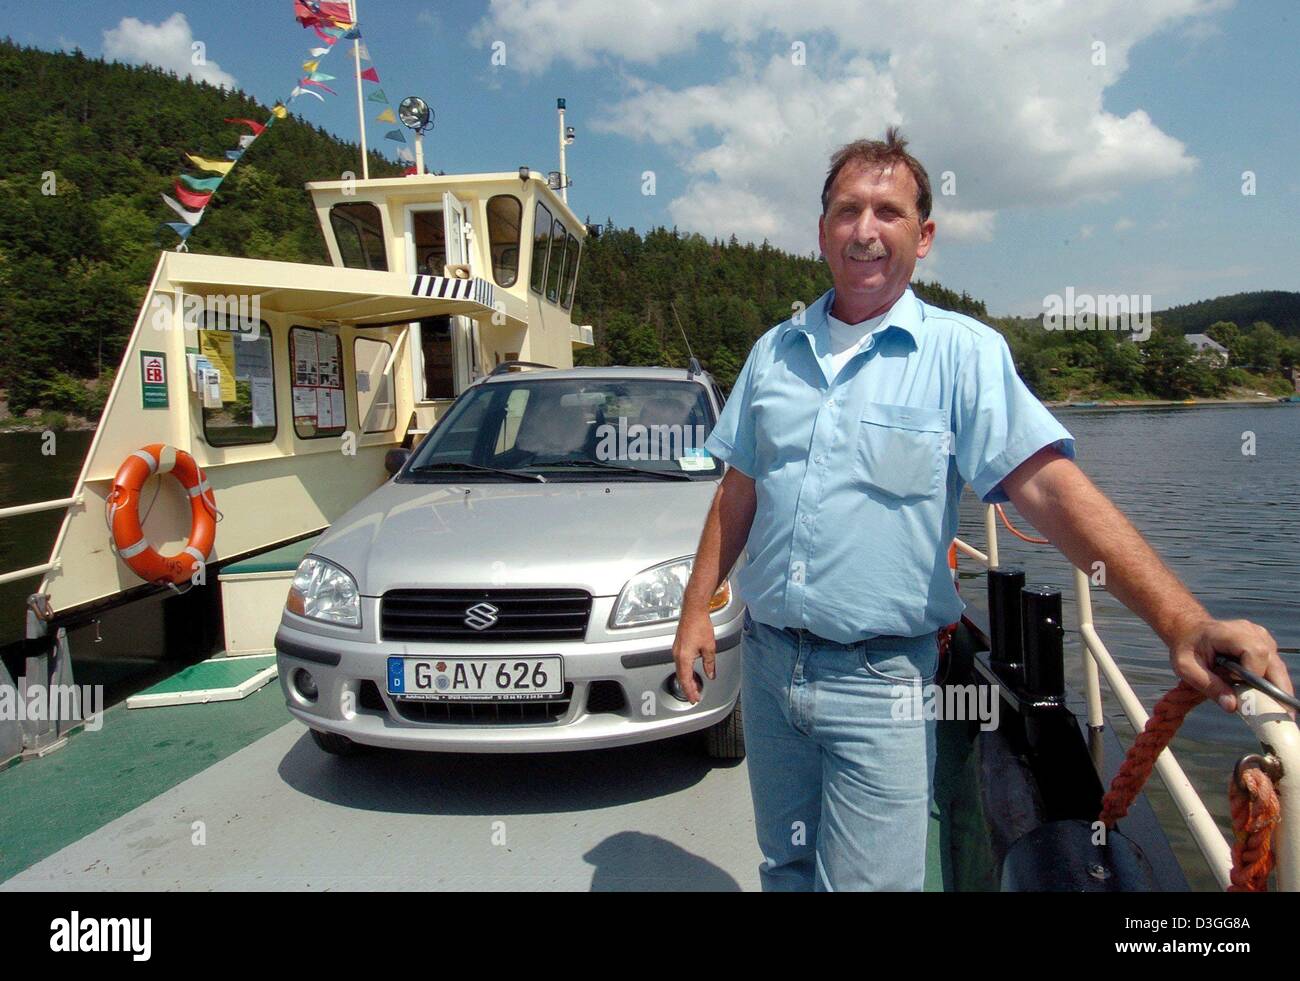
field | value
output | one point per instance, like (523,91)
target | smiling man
(849,434)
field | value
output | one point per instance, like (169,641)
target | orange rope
(1255,807)
(1019,534)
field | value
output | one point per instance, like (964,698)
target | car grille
(516,614)
(459,712)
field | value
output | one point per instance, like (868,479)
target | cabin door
(458,234)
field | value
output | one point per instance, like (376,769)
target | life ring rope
(122,514)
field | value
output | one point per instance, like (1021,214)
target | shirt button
(819,458)
(830,403)
(804,518)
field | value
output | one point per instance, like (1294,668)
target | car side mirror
(394,460)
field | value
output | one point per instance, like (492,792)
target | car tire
(334,744)
(725,740)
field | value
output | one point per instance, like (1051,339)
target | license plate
(502,679)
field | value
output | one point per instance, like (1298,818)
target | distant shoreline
(1160,403)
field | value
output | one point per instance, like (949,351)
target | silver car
(515,586)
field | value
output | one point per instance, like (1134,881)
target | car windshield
(571,429)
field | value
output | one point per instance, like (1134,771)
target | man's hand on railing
(1192,649)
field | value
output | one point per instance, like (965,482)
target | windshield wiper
(622,468)
(449,466)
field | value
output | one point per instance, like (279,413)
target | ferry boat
(289,386)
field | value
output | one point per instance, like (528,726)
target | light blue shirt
(859,476)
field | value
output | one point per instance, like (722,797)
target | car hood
(592,536)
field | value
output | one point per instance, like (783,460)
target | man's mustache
(874,250)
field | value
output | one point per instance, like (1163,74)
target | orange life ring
(124,514)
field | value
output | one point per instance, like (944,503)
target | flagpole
(361,111)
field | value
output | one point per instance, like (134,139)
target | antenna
(692,366)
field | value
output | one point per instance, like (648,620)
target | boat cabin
(289,382)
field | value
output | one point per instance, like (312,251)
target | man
(849,435)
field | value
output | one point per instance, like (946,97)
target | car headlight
(655,595)
(323,591)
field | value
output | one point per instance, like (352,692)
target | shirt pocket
(902,450)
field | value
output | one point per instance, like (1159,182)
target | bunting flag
(319,85)
(395,135)
(364,52)
(200,183)
(298,90)
(181,228)
(370,75)
(188,216)
(279,111)
(309,13)
(353,33)
(215,166)
(255,127)
(233,155)
(323,36)
(192,199)
(377,96)
(310,66)
(317,52)
(320,77)
(386,116)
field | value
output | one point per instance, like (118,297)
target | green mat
(282,559)
(218,679)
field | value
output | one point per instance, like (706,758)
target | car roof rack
(506,366)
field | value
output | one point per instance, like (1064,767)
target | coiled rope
(1252,797)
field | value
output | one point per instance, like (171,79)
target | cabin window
(504,216)
(375,404)
(247,381)
(359,231)
(429,236)
(541,246)
(555,271)
(439,354)
(572,248)
(318,406)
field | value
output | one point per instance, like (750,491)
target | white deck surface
(280,814)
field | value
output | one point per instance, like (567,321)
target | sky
(1140,147)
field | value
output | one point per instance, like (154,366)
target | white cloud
(1124,224)
(1001,93)
(168,45)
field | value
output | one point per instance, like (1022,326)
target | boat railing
(35,508)
(1267,719)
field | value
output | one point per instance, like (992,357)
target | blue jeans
(841,777)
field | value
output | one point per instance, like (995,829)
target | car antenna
(693,365)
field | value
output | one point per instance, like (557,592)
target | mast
(564,181)
(361,111)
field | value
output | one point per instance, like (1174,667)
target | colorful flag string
(331,22)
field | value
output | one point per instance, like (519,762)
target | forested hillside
(108,139)
(1276,307)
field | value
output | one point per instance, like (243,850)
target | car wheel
(334,744)
(726,739)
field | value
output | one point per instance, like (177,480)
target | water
(28,475)
(1227,523)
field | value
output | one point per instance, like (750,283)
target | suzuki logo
(480,616)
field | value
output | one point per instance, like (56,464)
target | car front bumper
(350,675)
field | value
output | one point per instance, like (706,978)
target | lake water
(1227,522)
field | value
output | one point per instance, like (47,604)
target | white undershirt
(847,338)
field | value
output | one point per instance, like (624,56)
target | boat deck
(117,810)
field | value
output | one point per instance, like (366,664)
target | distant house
(1207,347)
